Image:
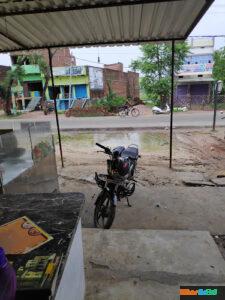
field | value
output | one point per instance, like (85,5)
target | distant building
(33,81)
(125,84)
(72,82)
(3,73)
(194,81)
(62,57)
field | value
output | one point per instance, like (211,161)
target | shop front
(71,84)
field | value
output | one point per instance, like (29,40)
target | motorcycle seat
(131,152)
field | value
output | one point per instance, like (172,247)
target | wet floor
(146,141)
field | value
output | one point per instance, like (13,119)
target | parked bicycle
(127,110)
(117,184)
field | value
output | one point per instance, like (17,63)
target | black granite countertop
(57,214)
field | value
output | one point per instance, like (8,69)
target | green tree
(13,77)
(155,66)
(219,65)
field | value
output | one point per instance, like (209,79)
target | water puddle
(146,141)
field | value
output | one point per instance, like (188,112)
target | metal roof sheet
(29,24)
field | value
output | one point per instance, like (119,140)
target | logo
(198,292)
(202,292)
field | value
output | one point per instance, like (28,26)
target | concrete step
(148,264)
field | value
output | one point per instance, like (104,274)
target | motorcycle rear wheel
(135,112)
(105,211)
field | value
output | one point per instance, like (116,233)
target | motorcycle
(118,183)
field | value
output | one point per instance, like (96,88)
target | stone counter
(59,215)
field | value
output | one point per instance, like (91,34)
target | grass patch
(13,116)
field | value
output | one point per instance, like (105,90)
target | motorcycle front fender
(99,197)
(104,193)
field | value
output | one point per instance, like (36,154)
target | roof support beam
(200,15)
(74,7)
(55,105)
(13,40)
(99,44)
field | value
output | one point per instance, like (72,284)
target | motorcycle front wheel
(105,211)
(122,112)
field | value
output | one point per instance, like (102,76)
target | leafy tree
(155,65)
(13,76)
(219,66)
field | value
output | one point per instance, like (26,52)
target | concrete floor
(169,208)
(148,264)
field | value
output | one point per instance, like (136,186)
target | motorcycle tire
(135,112)
(104,208)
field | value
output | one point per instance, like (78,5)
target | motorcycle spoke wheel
(104,213)
(135,112)
(101,216)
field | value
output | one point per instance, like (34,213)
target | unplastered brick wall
(133,84)
(122,83)
(62,57)
(116,80)
(3,72)
(117,67)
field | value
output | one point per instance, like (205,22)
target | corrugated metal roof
(56,23)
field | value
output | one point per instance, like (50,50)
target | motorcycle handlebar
(107,150)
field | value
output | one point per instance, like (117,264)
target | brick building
(62,57)
(72,82)
(3,72)
(33,81)
(125,84)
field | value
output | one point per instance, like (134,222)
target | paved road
(188,119)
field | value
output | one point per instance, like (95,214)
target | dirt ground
(198,155)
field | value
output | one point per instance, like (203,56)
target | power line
(191,36)
(91,61)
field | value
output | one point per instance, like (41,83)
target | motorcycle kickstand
(128,203)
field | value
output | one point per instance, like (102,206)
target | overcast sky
(213,23)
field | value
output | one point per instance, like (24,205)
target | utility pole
(217,91)
(172,102)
